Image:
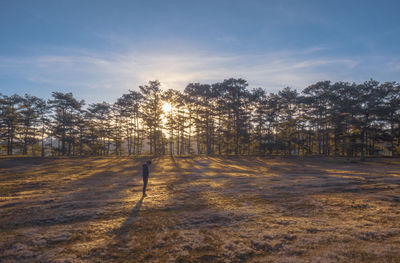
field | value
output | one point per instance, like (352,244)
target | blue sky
(100,49)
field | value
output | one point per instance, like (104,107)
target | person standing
(145,174)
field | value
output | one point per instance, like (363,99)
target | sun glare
(166,107)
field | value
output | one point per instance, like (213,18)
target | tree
(100,117)
(152,111)
(43,111)
(259,102)
(317,102)
(10,118)
(201,96)
(288,109)
(66,108)
(30,113)
(390,112)
(369,97)
(234,99)
(130,106)
(171,97)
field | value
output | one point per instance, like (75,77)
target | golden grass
(199,210)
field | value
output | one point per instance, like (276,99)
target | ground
(199,209)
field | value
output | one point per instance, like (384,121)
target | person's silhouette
(145,174)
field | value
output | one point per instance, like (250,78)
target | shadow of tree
(189,199)
(86,198)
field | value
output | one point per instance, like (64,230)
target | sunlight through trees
(226,118)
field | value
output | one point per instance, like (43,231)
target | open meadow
(199,209)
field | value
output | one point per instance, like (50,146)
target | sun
(167,111)
(166,107)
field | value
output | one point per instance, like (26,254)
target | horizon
(100,53)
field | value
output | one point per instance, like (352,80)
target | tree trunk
(362,140)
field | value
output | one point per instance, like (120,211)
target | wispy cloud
(101,76)
(394,65)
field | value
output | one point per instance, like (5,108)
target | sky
(98,50)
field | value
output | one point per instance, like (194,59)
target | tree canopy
(224,118)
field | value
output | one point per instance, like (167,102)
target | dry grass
(199,210)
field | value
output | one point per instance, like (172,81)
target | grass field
(199,210)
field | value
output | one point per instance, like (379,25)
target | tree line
(225,118)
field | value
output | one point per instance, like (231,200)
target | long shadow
(80,200)
(175,174)
(97,194)
(168,171)
(188,199)
(313,176)
(124,228)
(194,187)
(298,181)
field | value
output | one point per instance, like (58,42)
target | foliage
(225,118)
